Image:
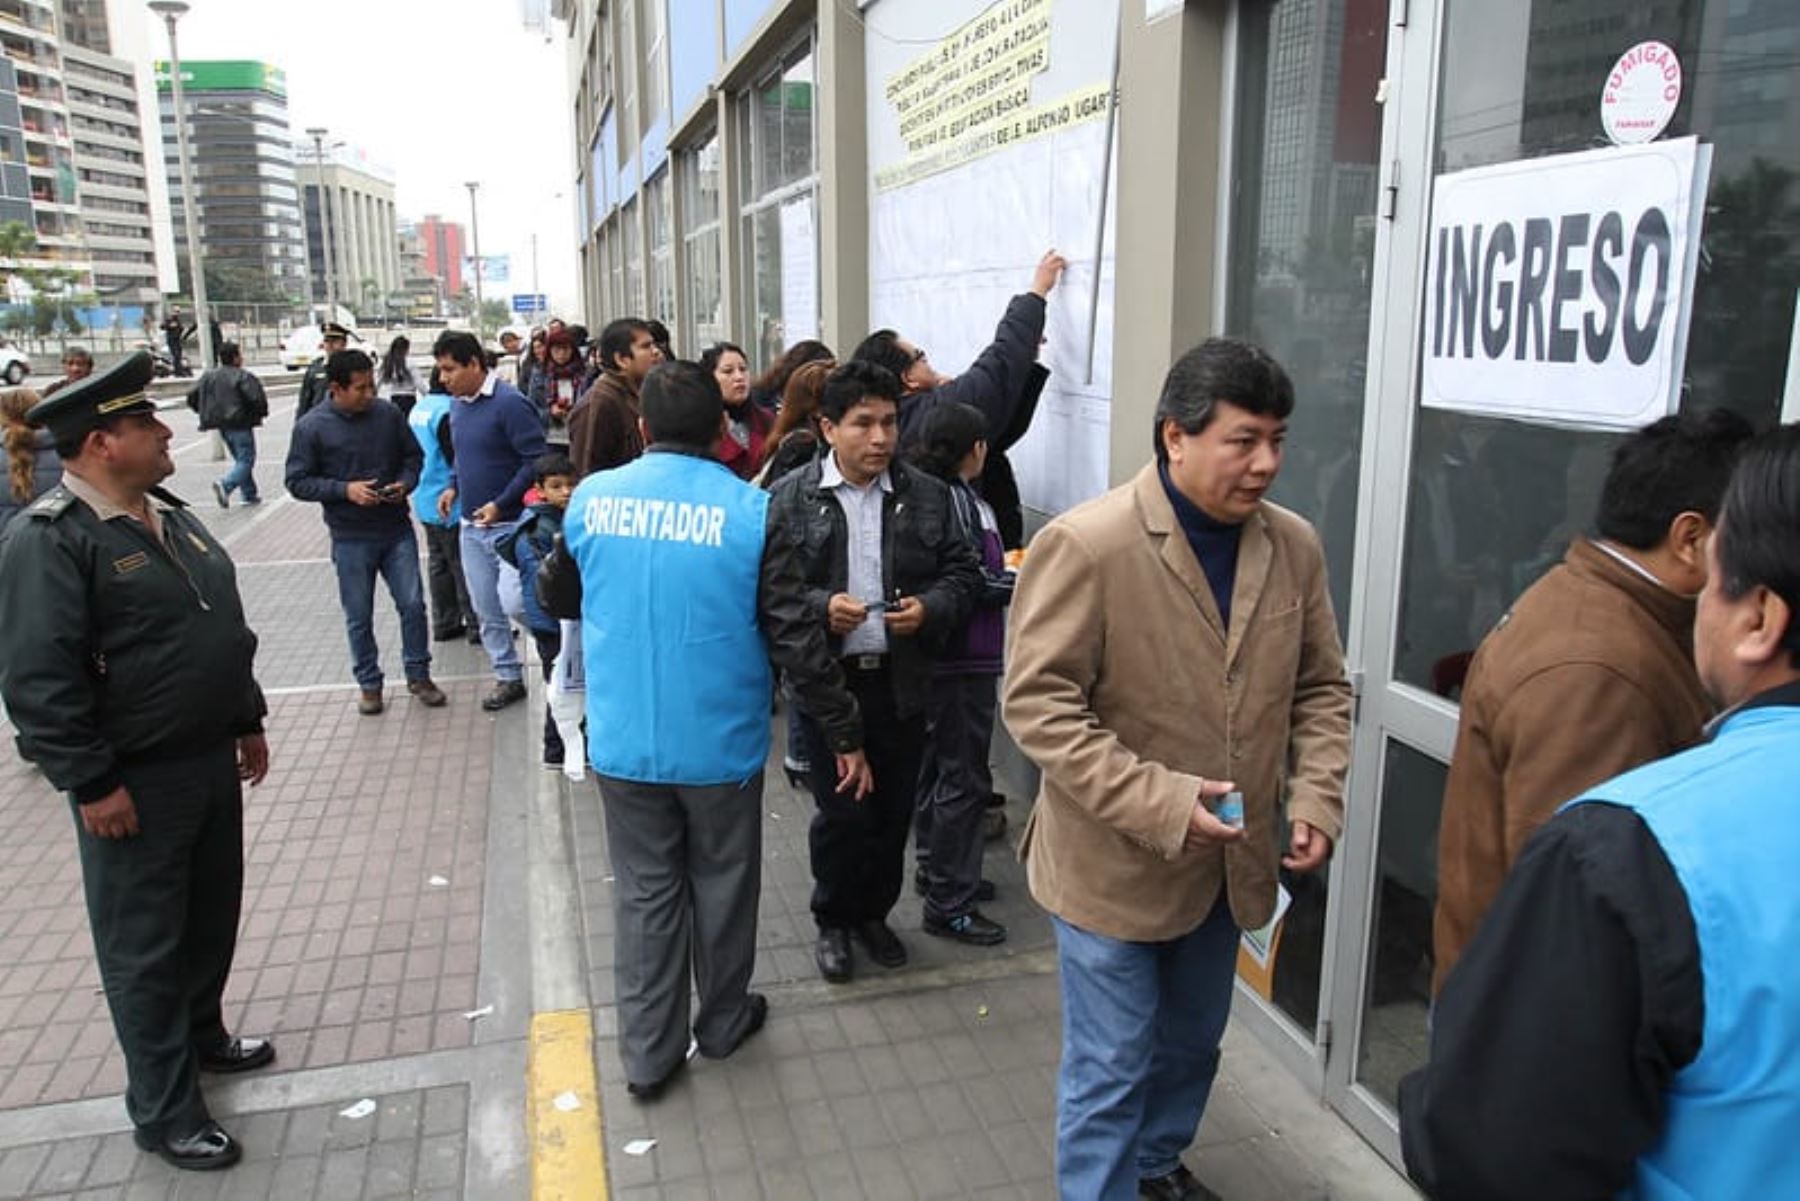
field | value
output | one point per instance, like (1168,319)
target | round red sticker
(1641,93)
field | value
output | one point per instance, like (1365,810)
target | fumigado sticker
(1641,94)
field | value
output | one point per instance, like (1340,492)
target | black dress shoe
(238,1055)
(972,928)
(655,1088)
(449,634)
(984,891)
(1179,1185)
(833,954)
(759,1014)
(205,1150)
(884,945)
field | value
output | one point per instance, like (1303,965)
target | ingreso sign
(1558,289)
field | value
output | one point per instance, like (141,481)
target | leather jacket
(923,554)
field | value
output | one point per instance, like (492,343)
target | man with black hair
(889,577)
(688,587)
(233,402)
(1592,671)
(1174,670)
(496,437)
(1626,1020)
(355,456)
(603,425)
(126,667)
(1002,381)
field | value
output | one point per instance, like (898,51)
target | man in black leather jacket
(889,578)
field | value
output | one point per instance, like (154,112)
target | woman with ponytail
(32,467)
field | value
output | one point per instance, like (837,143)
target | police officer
(314,387)
(686,590)
(125,664)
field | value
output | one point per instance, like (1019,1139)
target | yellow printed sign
(997,131)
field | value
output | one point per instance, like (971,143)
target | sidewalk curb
(567,1160)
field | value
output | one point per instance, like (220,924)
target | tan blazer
(1124,690)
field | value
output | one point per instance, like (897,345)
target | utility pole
(475,234)
(171,11)
(327,229)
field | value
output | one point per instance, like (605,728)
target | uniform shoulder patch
(52,504)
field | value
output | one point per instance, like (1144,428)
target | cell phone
(893,606)
(390,489)
(1230,809)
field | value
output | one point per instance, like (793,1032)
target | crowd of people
(1614,1006)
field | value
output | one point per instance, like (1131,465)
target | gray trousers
(687,876)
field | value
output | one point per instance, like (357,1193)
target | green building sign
(225,76)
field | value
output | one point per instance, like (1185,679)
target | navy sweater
(332,449)
(1215,544)
(498,439)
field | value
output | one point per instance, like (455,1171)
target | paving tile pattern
(413,1146)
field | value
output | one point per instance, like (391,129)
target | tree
(494,314)
(371,293)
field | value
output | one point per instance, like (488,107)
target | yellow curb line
(568,1156)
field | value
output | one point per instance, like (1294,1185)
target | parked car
(14,366)
(306,344)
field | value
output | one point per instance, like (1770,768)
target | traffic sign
(530,302)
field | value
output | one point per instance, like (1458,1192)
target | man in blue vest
(686,593)
(1626,1022)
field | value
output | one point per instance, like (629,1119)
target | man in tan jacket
(1172,643)
(1592,672)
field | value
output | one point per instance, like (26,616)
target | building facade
(29,39)
(443,246)
(247,190)
(766,170)
(349,205)
(15,179)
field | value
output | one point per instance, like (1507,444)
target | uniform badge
(199,542)
(130,563)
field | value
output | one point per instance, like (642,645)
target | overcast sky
(441,91)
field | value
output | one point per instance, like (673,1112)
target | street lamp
(475,234)
(327,228)
(171,11)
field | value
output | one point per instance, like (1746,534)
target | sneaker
(984,891)
(506,692)
(971,928)
(370,703)
(427,693)
(253,500)
(222,496)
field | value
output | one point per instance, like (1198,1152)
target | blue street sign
(530,302)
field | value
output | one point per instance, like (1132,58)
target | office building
(352,221)
(770,170)
(444,246)
(248,198)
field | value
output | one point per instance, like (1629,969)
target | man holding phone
(355,456)
(886,575)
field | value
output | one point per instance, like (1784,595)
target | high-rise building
(28,37)
(444,249)
(355,226)
(248,198)
(121,187)
(15,181)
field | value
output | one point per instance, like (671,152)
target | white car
(307,344)
(14,366)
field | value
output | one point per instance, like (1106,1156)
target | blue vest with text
(678,681)
(434,476)
(1727,815)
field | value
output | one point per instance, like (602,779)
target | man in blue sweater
(496,437)
(355,456)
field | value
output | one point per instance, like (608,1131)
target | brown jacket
(1124,690)
(1590,675)
(603,426)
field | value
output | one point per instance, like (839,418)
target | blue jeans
(396,561)
(481,569)
(242,444)
(1141,1028)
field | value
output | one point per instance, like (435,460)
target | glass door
(1465,512)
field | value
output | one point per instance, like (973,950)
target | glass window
(779,220)
(1398,999)
(656,58)
(662,252)
(631,249)
(699,173)
(1494,503)
(781,126)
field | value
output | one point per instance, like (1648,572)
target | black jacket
(117,648)
(997,484)
(794,638)
(229,398)
(315,389)
(996,381)
(922,554)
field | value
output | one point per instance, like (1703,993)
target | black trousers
(450,607)
(164,907)
(549,645)
(859,847)
(953,790)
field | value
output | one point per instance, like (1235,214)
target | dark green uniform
(125,660)
(314,388)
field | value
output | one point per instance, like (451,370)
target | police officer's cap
(87,404)
(333,330)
